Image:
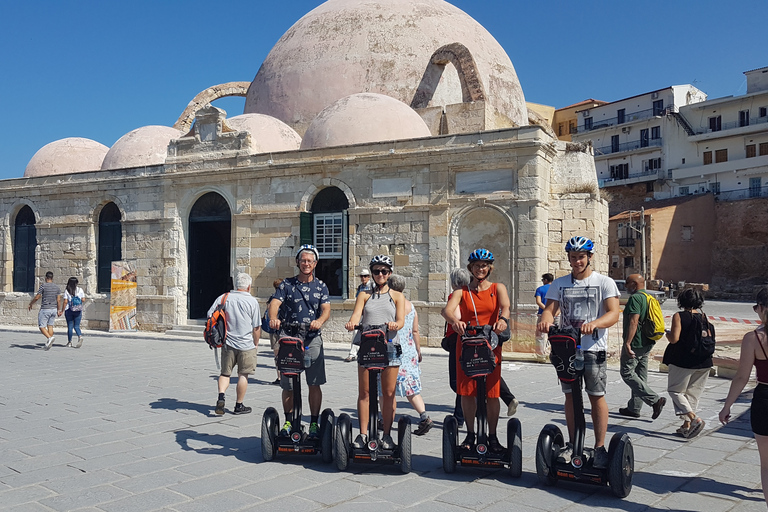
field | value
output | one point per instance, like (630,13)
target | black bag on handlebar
(477,358)
(563,342)
(290,355)
(373,349)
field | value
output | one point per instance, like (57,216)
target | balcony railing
(613,121)
(626,242)
(618,180)
(731,125)
(627,146)
(743,193)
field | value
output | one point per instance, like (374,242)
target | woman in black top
(687,372)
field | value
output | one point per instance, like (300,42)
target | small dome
(268,134)
(66,156)
(364,117)
(143,146)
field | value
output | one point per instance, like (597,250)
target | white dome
(268,134)
(143,146)
(345,47)
(361,118)
(66,156)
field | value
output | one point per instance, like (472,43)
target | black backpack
(703,344)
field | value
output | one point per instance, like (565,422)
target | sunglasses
(754,308)
(380,272)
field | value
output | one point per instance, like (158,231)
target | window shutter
(305,229)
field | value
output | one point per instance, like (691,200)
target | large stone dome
(345,47)
(267,133)
(66,156)
(364,117)
(141,147)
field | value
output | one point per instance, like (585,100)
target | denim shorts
(595,377)
(46,317)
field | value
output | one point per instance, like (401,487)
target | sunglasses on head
(380,271)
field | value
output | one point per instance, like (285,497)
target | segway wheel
(621,465)
(326,435)
(404,443)
(547,448)
(343,443)
(450,437)
(269,433)
(515,447)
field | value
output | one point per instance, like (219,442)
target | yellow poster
(122,305)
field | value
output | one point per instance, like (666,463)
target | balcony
(636,177)
(627,146)
(731,126)
(626,242)
(614,121)
(743,193)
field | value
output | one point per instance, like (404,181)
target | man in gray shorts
(49,307)
(243,330)
(305,301)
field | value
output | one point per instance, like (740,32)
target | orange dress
(487,305)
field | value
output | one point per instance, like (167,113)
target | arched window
(25,242)
(110,244)
(326,228)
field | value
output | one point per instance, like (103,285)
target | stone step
(191,329)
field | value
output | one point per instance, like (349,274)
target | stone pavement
(127,424)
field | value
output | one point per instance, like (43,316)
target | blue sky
(99,68)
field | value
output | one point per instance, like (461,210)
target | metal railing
(626,242)
(613,121)
(618,180)
(627,146)
(731,125)
(743,193)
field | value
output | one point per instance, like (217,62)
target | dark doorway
(210,224)
(110,245)
(24,245)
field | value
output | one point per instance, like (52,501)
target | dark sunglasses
(754,308)
(380,272)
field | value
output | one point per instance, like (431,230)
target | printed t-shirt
(302,301)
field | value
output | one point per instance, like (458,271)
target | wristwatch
(505,319)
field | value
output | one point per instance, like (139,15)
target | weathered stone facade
(516,191)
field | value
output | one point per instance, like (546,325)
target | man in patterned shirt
(306,302)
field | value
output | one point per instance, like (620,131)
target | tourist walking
(633,362)
(754,352)
(540,296)
(409,374)
(687,372)
(74,298)
(49,307)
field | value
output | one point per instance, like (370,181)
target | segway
(290,363)
(373,357)
(478,361)
(621,456)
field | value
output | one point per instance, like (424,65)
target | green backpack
(653,324)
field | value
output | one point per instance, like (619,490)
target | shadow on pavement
(28,347)
(172,404)
(246,449)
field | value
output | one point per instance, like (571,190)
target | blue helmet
(481,255)
(580,244)
(307,247)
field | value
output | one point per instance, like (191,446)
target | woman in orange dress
(481,303)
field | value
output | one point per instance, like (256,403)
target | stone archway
(461,59)
(185,120)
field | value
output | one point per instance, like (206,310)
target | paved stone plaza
(127,424)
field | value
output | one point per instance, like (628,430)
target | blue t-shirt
(541,291)
(302,301)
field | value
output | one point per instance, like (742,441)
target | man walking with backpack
(243,320)
(634,352)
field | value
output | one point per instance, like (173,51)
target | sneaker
(241,409)
(79,342)
(601,458)
(512,407)
(219,407)
(360,441)
(49,343)
(697,426)
(566,453)
(424,426)
(624,411)
(658,406)
(387,443)
(69,344)
(494,445)
(287,426)
(349,359)
(314,430)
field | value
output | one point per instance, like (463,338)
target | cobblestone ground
(127,424)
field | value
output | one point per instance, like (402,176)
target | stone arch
(306,200)
(460,57)
(185,120)
(487,226)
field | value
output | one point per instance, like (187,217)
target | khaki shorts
(245,360)
(273,341)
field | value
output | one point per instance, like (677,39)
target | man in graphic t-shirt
(589,302)
(49,307)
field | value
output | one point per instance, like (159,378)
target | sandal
(682,431)
(468,442)
(697,425)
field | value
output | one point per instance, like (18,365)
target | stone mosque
(392,127)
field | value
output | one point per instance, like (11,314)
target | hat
(365,272)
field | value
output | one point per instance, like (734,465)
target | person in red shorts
(480,303)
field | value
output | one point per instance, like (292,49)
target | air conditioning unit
(585,113)
(625,129)
(654,95)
